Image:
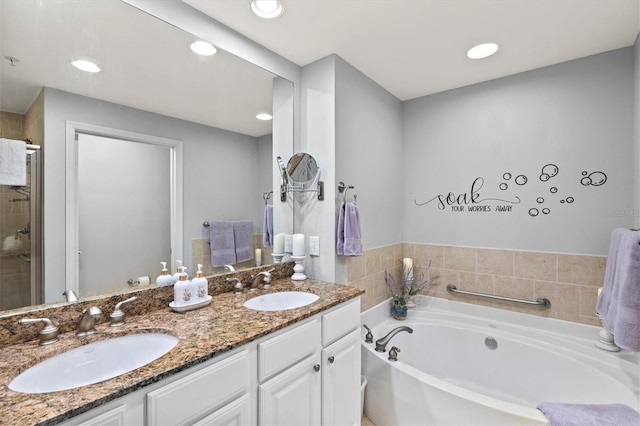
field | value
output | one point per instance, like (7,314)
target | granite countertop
(203,333)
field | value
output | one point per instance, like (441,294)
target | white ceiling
(414,48)
(147,64)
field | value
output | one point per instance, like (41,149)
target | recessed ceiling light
(264,116)
(203,48)
(86,66)
(267,9)
(482,50)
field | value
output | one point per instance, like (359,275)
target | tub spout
(381,344)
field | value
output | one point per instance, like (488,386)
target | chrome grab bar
(543,302)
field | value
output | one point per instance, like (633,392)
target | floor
(366,422)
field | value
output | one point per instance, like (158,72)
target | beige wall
(570,282)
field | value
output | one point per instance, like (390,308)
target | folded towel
(352,239)
(13,162)
(589,414)
(619,302)
(223,246)
(243,235)
(340,231)
(267,226)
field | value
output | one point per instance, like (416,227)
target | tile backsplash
(569,281)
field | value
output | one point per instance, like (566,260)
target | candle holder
(277,257)
(298,269)
(606,340)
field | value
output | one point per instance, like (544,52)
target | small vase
(399,312)
(411,303)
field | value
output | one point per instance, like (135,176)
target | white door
(293,396)
(116,222)
(341,381)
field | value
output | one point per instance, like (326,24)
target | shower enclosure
(21,234)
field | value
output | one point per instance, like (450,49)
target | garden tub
(466,364)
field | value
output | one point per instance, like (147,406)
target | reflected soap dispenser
(200,285)
(183,290)
(165,278)
(176,276)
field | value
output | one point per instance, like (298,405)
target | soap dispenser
(200,285)
(176,276)
(165,278)
(183,290)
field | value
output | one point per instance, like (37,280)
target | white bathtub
(446,374)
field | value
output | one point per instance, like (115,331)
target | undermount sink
(93,363)
(281,301)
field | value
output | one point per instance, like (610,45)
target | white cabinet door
(293,396)
(236,413)
(341,381)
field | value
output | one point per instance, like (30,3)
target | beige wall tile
(425,253)
(588,300)
(563,297)
(388,257)
(518,288)
(356,268)
(479,283)
(495,262)
(460,258)
(583,270)
(372,260)
(539,266)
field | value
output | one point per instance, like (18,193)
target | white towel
(13,162)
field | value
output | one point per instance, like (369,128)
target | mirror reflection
(302,169)
(150,84)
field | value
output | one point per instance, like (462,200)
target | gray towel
(619,302)
(352,238)
(223,246)
(267,226)
(589,414)
(340,231)
(243,236)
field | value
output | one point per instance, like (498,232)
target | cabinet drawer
(341,321)
(193,396)
(278,353)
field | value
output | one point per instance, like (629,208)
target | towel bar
(543,302)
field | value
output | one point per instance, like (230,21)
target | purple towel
(223,246)
(340,232)
(352,236)
(267,226)
(619,302)
(243,236)
(589,414)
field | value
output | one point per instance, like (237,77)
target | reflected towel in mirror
(267,226)
(13,162)
(243,236)
(223,245)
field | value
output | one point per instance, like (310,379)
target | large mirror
(151,86)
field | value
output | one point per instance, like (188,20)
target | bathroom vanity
(232,365)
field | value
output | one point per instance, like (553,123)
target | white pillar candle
(258,257)
(298,245)
(407,264)
(278,244)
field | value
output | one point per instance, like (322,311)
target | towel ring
(343,189)
(266,196)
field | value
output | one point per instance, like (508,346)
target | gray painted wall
(220,171)
(576,115)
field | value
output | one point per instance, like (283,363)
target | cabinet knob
(316,368)
(331,359)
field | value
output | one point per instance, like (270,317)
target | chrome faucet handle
(117,316)
(237,285)
(393,353)
(87,322)
(229,268)
(48,334)
(70,295)
(369,337)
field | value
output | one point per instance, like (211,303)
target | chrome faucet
(87,322)
(117,316)
(48,334)
(265,276)
(229,268)
(237,285)
(70,295)
(381,344)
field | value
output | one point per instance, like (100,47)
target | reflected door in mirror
(119,229)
